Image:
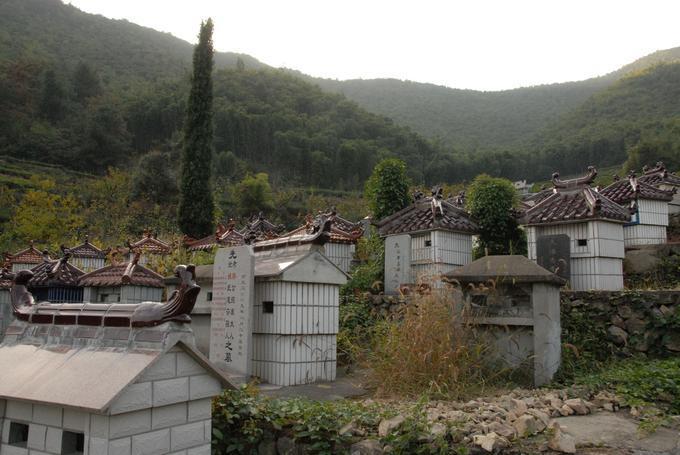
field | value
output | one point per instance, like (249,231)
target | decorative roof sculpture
(624,191)
(259,228)
(341,230)
(574,200)
(224,236)
(55,272)
(317,232)
(150,243)
(130,273)
(87,250)
(659,175)
(426,214)
(146,314)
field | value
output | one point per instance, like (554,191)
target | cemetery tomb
(649,206)
(592,222)
(105,379)
(224,236)
(520,312)
(296,308)
(149,245)
(56,280)
(430,237)
(259,228)
(662,179)
(25,259)
(87,257)
(127,283)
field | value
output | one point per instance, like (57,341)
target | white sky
(476,44)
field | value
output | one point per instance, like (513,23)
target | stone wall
(631,321)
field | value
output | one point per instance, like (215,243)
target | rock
(366,447)
(665,310)
(541,416)
(635,325)
(556,403)
(286,446)
(519,407)
(503,429)
(566,410)
(527,425)
(641,261)
(438,429)
(490,441)
(618,335)
(578,405)
(267,447)
(560,441)
(618,321)
(388,425)
(672,342)
(347,428)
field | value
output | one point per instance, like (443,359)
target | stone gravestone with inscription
(553,254)
(397,262)
(231,315)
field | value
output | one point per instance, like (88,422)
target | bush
(357,322)
(432,348)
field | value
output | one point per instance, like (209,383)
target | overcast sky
(476,44)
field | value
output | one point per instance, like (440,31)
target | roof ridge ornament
(574,183)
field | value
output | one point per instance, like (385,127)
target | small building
(25,259)
(593,226)
(341,246)
(521,312)
(127,283)
(87,257)
(649,206)
(522,187)
(149,245)
(296,308)
(430,237)
(224,236)
(259,228)
(105,379)
(56,281)
(662,179)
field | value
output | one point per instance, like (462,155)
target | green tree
(387,188)
(85,82)
(52,100)
(490,202)
(253,194)
(154,180)
(196,206)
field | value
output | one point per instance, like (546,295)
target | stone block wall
(631,321)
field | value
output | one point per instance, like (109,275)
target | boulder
(503,429)
(542,417)
(527,425)
(566,410)
(286,446)
(578,405)
(490,442)
(641,261)
(438,429)
(366,447)
(672,342)
(635,325)
(387,426)
(560,441)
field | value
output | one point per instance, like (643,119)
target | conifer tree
(196,207)
(51,103)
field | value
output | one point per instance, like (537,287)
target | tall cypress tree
(195,213)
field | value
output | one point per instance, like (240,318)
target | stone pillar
(545,301)
(397,262)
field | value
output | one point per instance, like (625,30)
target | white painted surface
(87,264)
(231,321)
(341,254)
(397,262)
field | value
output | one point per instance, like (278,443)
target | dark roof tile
(427,214)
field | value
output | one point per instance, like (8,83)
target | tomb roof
(427,214)
(57,272)
(631,189)
(572,201)
(259,228)
(30,255)
(505,268)
(130,273)
(149,243)
(87,250)
(659,175)
(338,230)
(224,236)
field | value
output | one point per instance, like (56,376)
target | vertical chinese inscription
(397,262)
(553,253)
(231,315)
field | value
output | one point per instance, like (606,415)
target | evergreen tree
(196,207)
(387,188)
(490,202)
(51,103)
(85,82)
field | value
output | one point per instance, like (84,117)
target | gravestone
(231,309)
(553,254)
(397,262)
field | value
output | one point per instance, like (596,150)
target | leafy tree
(51,104)
(105,139)
(253,194)
(153,179)
(387,188)
(490,202)
(196,206)
(85,82)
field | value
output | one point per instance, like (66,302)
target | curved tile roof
(658,175)
(87,250)
(630,189)
(224,236)
(574,200)
(30,255)
(122,274)
(150,244)
(55,273)
(426,214)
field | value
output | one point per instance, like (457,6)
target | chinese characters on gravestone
(397,262)
(231,318)
(553,254)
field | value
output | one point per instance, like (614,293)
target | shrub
(432,348)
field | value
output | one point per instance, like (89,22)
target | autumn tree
(387,188)
(253,194)
(196,206)
(490,202)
